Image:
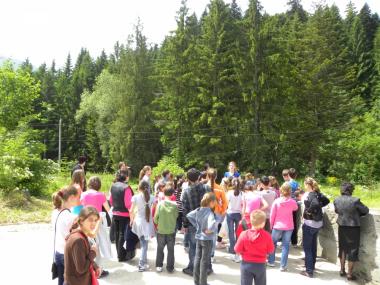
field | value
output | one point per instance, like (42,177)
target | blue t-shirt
(229,174)
(294,185)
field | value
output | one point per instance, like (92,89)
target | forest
(295,89)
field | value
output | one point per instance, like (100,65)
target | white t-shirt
(64,223)
(235,203)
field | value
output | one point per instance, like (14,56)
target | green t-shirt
(166,217)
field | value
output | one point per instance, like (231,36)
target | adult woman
(232,170)
(80,267)
(349,210)
(314,200)
(281,221)
(62,220)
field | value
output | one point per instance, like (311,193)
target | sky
(43,30)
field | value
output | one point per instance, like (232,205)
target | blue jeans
(192,246)
(59,261)
(201,261)
(286,237)
(253,271)
(309,241)
(232,222)
(144,250)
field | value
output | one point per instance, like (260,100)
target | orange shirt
(221,200)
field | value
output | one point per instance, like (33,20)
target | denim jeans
(59,261)
(192,246)
(309,241)
(201,261)
(162,241)
(233,220)
(253,271)
(285,236)
(144,250)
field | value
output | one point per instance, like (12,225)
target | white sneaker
(159,269)
(237,258)
(146,266)
(283,269)
(271,264)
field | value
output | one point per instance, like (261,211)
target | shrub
(169,163)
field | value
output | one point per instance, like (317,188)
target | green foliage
(167,163)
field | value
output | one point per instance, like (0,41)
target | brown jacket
(78,257)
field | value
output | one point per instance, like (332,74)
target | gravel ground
(26,252)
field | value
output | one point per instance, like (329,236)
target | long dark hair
(63,195)
(144,188)
(237,186)
(212,174)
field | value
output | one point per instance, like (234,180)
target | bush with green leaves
(167,163)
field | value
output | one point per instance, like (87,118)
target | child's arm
(191,217)
(156,214)
(132,213)
(273,213)
(270,245)
(264,204)
(239,246)
(211,224)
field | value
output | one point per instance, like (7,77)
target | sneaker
(237,258)
(146,266)
(141,268)
(219,245)
(104,273)
(210,271)
(187,271)
(159,269)
(305,273)
(271,264)
(213,260)
(283,269)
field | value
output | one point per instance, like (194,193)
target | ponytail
(144,188)
(143,171)
(63,195)
(236,184)
(212,173)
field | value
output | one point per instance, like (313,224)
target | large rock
(368,268)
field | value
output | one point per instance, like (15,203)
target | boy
(166,220)
(203,219)
(254,245)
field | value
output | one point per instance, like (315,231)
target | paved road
(26,254)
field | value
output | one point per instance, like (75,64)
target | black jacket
(313,206)
(349,210)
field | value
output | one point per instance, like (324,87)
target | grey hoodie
(203,219)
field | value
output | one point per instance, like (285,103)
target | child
(142,222)
(203,219)
(254,245)
(80,267)
(62,220)
(166,220)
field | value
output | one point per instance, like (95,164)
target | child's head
(258,219)
(146,170)
(286,190)
(68,195)
(94,183)
(347,188)
(249,176)
(285,174)
(78,178)
(87,221)
(208,200)
(193,175)
(274,182)
(122,176)
(168,190)
(292,173)
(311,185)
(165,174)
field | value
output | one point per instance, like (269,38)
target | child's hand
(94,248)
(208,232)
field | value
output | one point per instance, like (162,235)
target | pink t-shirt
(253,202)
(93,198)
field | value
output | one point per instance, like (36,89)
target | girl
(349,210)
(252,200)
(142,222)
(203,219)
(62,220)
(314,200)
(78,180)
(80,267)
(235,203)
(145,174)
(92,197)
(220,207)
(274,184)
(281,222)
(232,170)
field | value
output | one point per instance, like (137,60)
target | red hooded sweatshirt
(254,245)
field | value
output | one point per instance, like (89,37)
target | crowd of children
(257,214)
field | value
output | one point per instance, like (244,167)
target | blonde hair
(207,199)
(286,189)
(312,183)
(258,218)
